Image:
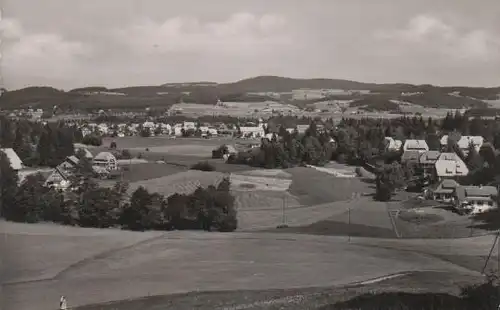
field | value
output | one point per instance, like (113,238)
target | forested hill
(208,92)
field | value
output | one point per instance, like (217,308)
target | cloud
(426,33)
(240,33)
(38,54)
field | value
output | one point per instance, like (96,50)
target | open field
(251,183)
(91,266)
(313,187)
(296,299)
(182,183)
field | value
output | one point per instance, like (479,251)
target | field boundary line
(103,255)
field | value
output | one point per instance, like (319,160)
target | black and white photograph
(250,155)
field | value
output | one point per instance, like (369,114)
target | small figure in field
(63,304)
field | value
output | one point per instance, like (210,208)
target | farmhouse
(15,162)
(464,143)
(392,145)
(105,160)
(444,190)
(475,199)
(449,165)
(415,145)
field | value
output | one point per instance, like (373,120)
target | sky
(115,43)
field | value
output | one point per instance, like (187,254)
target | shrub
(203,166)
(220,152)
(92,140)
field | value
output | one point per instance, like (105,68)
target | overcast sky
(114,43)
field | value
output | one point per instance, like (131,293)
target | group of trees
(87,204)
(361,142)
(38,144)
(288,149)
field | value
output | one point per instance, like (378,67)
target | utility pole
(283,218)
(349,225)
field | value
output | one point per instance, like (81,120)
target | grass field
(182,183)
(313,187)
(297,299)
(92,266)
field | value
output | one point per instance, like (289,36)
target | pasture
(92,266)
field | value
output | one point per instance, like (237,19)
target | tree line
(37,144)
(86,204)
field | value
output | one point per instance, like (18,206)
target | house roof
(412,144)
(450,168)
(446,187)
(464,141)
(478,192)
(104,156)
(392,143)
(429,157)
(15,162)
(252,129)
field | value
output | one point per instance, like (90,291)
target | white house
(475,199)
(15,162)
(415,145)
(464,142)
(189,125)
(449,165)
(103,128)
(392,145)
(252,132)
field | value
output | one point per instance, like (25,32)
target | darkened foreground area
(419,291)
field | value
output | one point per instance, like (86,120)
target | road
(98,266)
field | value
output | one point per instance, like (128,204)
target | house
(444,190)
(392,145)
(449,165)
(15,162)
(105,160)
(464,143)
(189,125)
(60,176)
(475,199)
(427,161)
(252,132)
(58,179)
(415,145)
(86,131)
(302,128)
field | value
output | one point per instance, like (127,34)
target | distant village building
(392,145)
(475,199)
(15,162)
(464,143)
